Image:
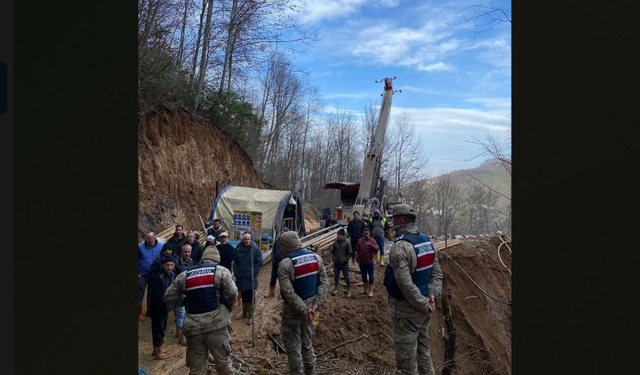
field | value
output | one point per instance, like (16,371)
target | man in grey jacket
(303,284)
(210,293)
(414,281)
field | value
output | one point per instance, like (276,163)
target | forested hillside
(226,63)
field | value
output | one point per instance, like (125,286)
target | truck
(368,194)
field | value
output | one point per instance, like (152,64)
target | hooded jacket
(378,225)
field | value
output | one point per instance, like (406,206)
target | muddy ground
(482,325)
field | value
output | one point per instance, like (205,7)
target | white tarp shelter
(259,209)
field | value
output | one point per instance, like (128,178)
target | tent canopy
(240,208)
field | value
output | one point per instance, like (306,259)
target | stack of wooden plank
(320,241)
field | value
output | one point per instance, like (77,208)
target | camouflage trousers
(296,336)
(198,347)
(411,342)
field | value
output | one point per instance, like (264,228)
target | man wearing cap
(303,284)
(156,266)
(227,252)
(159,283)
(340,255)
(276,257)
(355,229)
(414,281)
(210,292)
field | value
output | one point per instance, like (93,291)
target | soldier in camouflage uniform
(413,280)
(304,285)
(210,293)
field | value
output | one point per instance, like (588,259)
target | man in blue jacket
(148,251)
(248,255)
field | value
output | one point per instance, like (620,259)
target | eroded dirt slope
(180,157)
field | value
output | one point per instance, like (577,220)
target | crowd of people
(202,283)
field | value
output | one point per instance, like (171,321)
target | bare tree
(203,59)
(479,205)
(482,18)
(405,150)
(446,205)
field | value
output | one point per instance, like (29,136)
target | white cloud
(360,95)
(389,3)
(437,67)
(314,11)
(454,121)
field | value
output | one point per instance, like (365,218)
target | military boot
(310,371)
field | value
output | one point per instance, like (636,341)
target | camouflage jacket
(298,308)
(226,292)
(403,257)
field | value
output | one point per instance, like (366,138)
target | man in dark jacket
(216,230)
(176,241)
(378,225)
(159,309)
(248,255)
(148,251)
(340,255)
(331,221)
(276,257)
(355,228)
(196,248)
(226,250)
(156,266)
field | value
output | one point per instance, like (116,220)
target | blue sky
(451,78)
